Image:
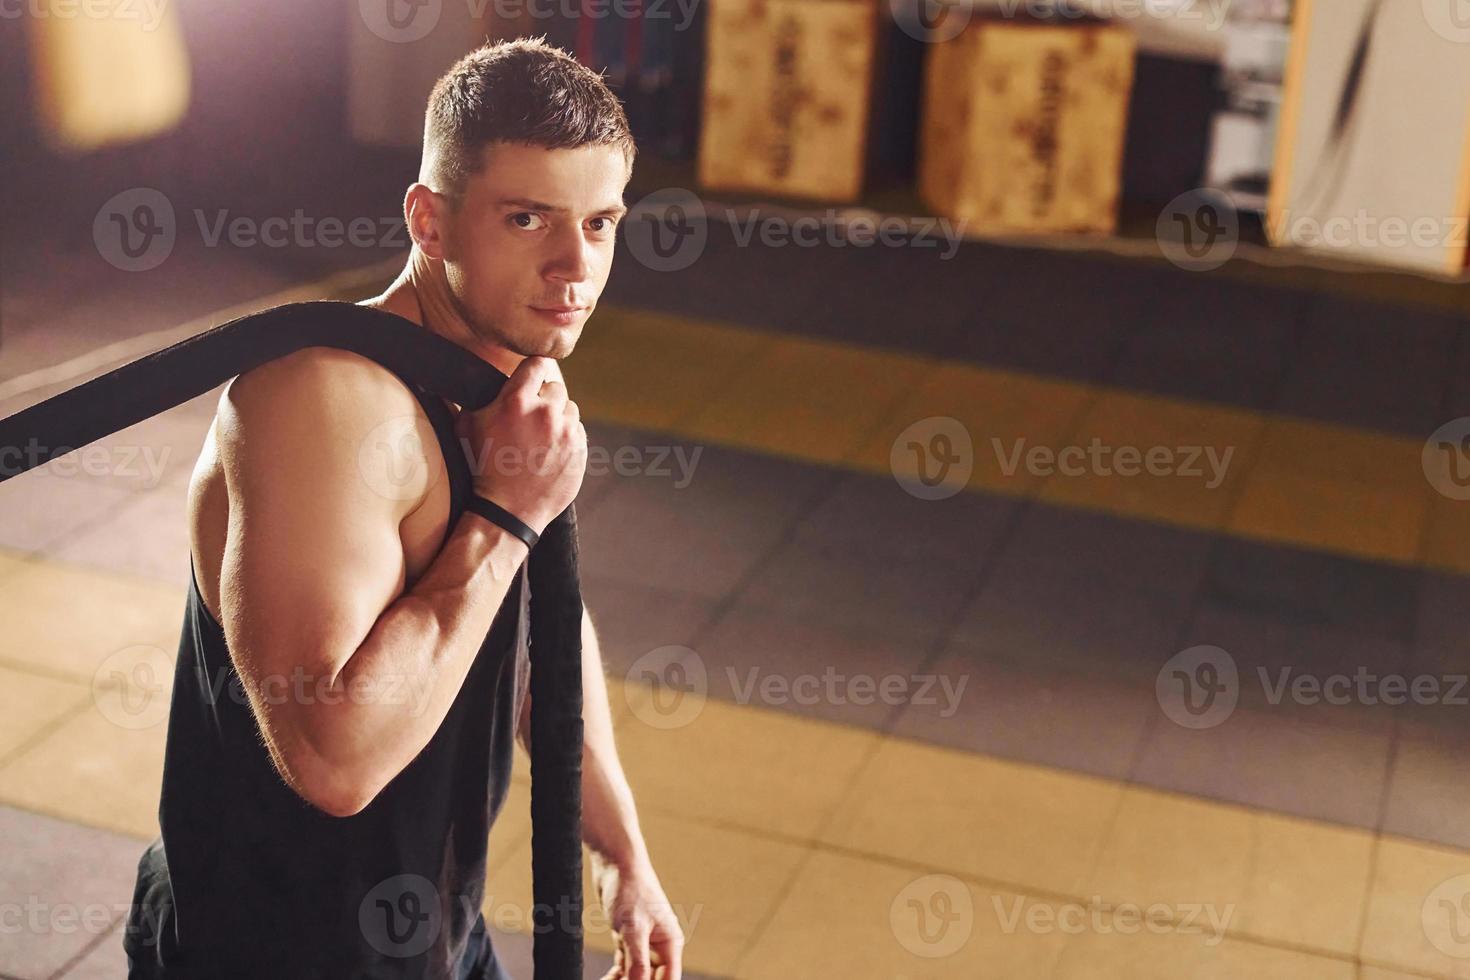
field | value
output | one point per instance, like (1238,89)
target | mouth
(560,314)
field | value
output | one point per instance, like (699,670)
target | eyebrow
(527,204)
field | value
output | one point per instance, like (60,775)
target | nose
(571,257)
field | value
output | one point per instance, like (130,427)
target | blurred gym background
(1029,538)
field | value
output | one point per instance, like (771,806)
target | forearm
(396,688)
(609,817)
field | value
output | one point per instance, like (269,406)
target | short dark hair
(524,91)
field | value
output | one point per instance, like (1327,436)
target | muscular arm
(314,570)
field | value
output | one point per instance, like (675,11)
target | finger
(526,380)
(619,969)
(554,392)
(639,967)
(670,951)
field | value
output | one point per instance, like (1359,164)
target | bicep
(313,554)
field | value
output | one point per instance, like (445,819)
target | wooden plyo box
(787,96)
(1023,125)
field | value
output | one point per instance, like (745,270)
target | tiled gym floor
(903,737)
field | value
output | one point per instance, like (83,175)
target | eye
(526,220)
(607,224)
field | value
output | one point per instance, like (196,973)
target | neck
(421,294)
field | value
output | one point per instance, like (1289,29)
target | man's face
(529,248)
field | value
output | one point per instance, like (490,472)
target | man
(330,819)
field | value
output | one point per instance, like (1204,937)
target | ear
(426,214)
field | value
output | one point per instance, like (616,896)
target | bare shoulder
(324,376)
(335,414)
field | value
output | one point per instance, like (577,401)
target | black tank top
(249,880)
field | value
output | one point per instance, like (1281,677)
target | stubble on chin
(533,342)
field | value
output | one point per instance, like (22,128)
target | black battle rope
(190,368)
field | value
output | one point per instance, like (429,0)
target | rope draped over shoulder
(188,369)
